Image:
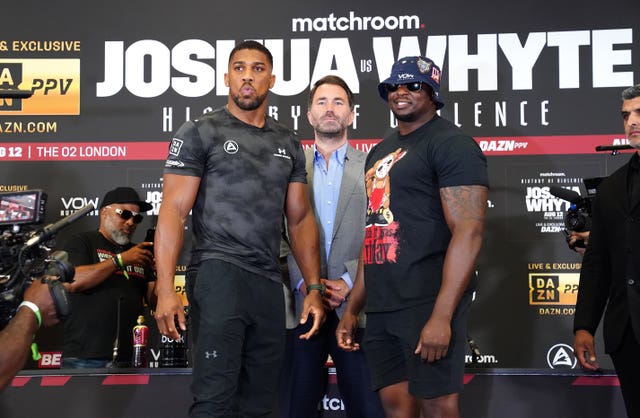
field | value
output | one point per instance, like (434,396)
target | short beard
(331,134)
(249,104)
(116,235)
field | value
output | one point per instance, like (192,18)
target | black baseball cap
(125,195)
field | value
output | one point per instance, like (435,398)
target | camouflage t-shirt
(245,172)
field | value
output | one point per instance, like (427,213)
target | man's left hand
(38,292)
(346,331)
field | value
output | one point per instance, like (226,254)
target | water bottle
(140,336)
(173,353)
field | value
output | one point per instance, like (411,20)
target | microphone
(475,351)
(52,229)
(15,94)
(116,342)
(566,194)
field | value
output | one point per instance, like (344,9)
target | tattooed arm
(464,211)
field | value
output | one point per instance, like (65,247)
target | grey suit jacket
(348,227)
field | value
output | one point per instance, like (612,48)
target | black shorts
(391,339)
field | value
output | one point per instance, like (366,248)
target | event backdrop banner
(536,86)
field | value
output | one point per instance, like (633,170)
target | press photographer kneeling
(32,292)
(36,310)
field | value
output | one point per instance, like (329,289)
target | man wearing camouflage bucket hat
(427,188)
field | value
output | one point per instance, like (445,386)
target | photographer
(610,275)
(113,276)
(37,309)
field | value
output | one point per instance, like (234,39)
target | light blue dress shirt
(326,191)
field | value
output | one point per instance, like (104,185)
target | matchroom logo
(55,84)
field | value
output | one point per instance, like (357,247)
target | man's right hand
(169,307)
(585,351)
(141,253)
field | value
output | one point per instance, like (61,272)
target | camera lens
(577,221)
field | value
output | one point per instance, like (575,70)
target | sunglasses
(415,86)
(126,214)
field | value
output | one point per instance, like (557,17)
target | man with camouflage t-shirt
(237,169)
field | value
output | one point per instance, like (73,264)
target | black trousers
(238,334)
(626,361)
(304,378)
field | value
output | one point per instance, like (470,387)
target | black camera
(578,216)
(25,253)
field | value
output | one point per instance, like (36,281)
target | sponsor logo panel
(353,22)
(553,288)
(50,360)
(55,84)
(70,204)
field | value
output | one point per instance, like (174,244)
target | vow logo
(72,204)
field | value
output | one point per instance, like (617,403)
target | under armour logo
(213,354)
(282,153)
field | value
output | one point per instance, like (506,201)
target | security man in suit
(610,275)
(335,173)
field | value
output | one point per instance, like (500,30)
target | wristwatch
(317,286)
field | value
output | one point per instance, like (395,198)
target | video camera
(578,216)
(24,254)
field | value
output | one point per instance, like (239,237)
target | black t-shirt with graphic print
(406,235)
(245,172)
(91,328)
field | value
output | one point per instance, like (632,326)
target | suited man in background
(335,173)
(610,274)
